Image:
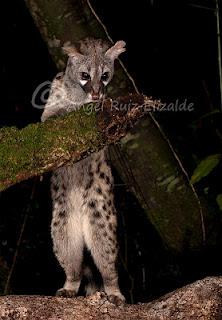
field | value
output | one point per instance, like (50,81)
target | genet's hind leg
(100,239)
(66,231)
(68,248)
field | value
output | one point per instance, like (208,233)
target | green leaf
(205,167)
(219,201)
(210,114)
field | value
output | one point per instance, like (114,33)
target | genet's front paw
(65,293)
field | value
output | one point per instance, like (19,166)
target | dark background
(171,54)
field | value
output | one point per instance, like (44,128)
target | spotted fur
(83,204)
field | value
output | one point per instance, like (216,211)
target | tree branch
(200,300)
(41,147)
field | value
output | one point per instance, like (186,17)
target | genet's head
(91,66)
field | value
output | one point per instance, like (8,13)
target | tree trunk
(198,301)
(161,187)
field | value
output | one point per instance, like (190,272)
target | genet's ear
(71,51)
(116,50)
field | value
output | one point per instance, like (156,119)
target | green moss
(39,147)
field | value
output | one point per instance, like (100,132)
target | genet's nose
(95,96)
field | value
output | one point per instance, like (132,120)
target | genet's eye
(85,76)
(105,76)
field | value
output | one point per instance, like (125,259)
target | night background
(172,54)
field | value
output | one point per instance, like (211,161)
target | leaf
(210,114)
(219,201)
(205,167)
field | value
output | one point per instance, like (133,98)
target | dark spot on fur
(104,207)
(64,187)
(105,234)
(55,187)
(107,217)
(113,250)
(102,175)
(109,203)
(110,227)
(60,200)
(99,190)
(98,166)
(101,225)
(110,191)
(111,239)
(92,204)
(107,179)
(89,184)
(107,251)
(97,214)
(56,199)
(62,213)
(55,223)
(85,195)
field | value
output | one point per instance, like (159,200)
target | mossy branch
(45,146)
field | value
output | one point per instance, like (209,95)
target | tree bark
(157,178)
(198,301)
(162,188)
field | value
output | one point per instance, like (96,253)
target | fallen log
(200,300)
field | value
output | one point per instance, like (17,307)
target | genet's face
(92,66)
(93,76)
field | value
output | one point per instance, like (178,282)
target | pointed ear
(116,50)
(71,51)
